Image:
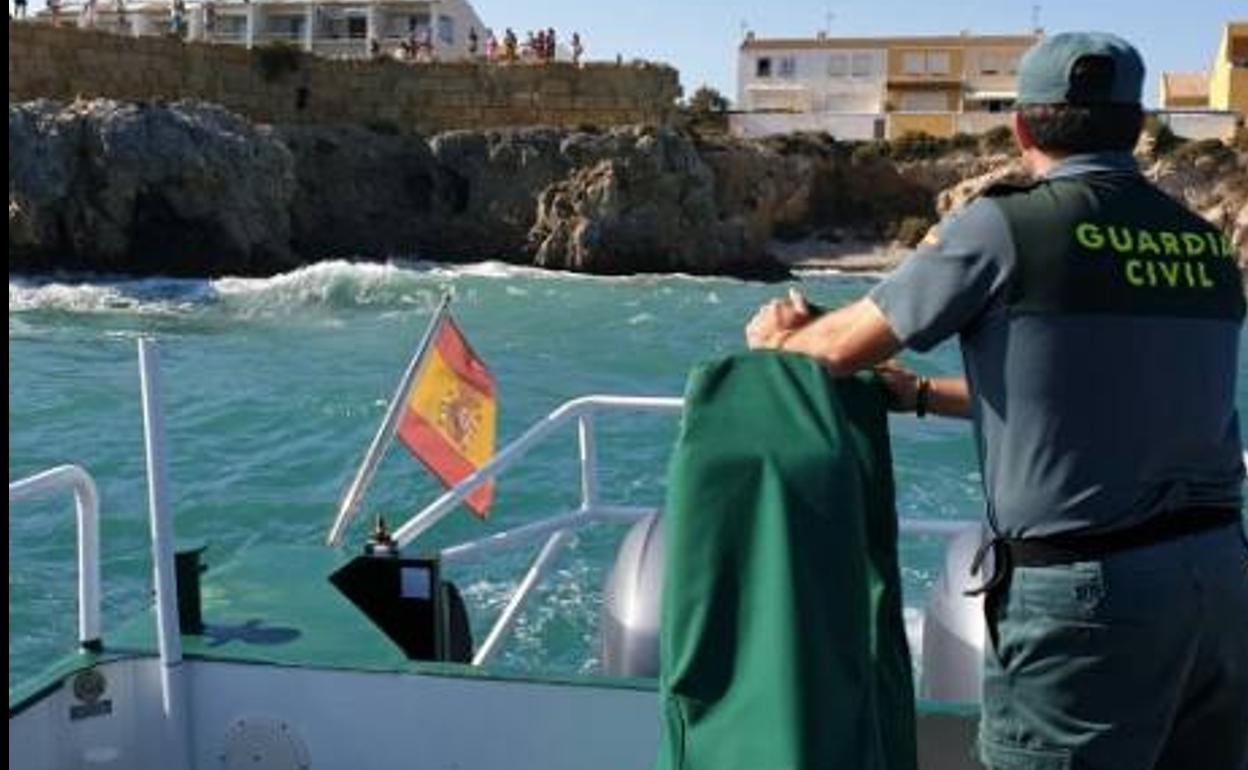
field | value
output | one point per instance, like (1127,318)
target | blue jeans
(1136,661)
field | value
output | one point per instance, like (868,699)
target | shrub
(918,146)
(277,59)
(997,140)
(1204,150)
(961,141)
(870,152)
(707,100)
(1164,141)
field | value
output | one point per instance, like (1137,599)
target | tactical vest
(1111,243)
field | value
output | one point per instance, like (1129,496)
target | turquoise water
(274,387)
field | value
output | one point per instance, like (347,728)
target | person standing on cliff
(577,49)
(509,45)
(1100,326)
(19,8)
(551,41)
(473,42)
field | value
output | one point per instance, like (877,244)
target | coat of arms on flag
(444,413)
(448,417)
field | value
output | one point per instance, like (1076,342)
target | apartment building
(862,88)
(1208,104)
(334,28)
(1228,78)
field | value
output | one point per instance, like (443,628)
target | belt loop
(1000,565)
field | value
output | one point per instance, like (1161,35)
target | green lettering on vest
(1170,242)
(1226,246)
(1120,241)
(1164,256)
(1194,244)
(1171,276)
(1212,237)
(1089,236)
(1205,283)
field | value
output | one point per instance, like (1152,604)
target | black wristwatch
(922,396)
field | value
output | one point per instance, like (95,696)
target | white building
(864,88)
(336,28)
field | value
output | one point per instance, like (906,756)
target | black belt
(1067,549)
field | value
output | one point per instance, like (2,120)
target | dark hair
(1069,129)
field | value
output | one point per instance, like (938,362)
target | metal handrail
(557,527)
(87,503)
(585,406)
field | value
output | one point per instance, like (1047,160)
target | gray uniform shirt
(1083,423)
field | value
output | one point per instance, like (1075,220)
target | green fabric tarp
(782,640)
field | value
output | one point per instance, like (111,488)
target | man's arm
(847,339)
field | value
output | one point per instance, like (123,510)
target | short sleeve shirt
(1138,418)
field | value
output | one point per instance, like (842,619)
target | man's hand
(901,383)
(774,322)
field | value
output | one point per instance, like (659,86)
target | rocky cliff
(191,189)
(188,188)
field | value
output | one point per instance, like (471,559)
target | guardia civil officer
(1099,322)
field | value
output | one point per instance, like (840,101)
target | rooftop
(944,41)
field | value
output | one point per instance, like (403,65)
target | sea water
(274,387)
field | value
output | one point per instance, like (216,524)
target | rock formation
(191,189)
(121,187)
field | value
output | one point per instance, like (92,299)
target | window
(230,26)
(838,65)
(285,26)
(862,65)
(990,63)
(763,67)
(357,27)
(446,29)
(938,63)
(912,63)
(788,66)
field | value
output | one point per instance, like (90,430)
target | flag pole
(385,432)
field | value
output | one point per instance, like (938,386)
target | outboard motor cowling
(631,601)
(953,626)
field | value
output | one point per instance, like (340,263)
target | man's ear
(1022,135)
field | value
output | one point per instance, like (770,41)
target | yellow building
(1228,78)
(862,87)
(946,85)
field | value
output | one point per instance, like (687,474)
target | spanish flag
(448,419)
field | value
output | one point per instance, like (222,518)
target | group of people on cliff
(538,47)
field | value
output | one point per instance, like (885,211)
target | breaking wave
(335,285)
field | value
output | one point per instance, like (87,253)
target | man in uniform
(1099,322)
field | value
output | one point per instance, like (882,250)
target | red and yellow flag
(448,420)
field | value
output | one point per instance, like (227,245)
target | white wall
(844,126)
(830,80)
(1199,124)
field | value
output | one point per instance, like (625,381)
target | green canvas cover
(782,641)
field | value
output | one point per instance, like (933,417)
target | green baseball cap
(1081,68)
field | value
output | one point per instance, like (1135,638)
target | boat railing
(75,479)
(557,528)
